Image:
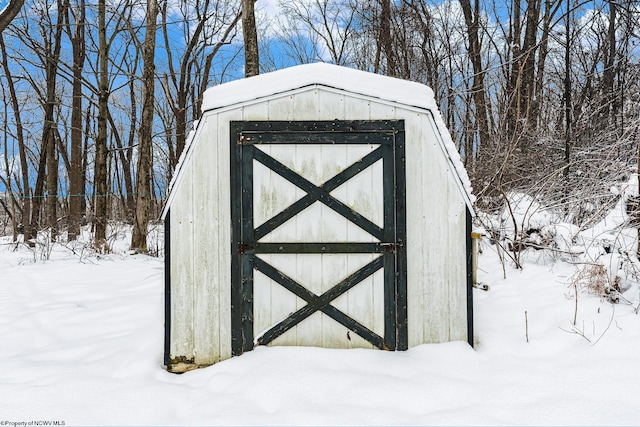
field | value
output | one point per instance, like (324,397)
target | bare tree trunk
(85,152)
(10,12)
(125,161)
(522,73)
(183,81)
(49,145)
(38,194)
(529,48)
(24,166)
(472,20)
(567,100)
(180,83)
(250,34)
(208,62)
(143,181)
(551,7)
(7,183)
(52,184)
(385,37)
(76,183)
(100,167)
(608,74)
(513,72)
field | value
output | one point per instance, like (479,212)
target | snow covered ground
(82,342)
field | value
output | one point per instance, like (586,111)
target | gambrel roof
(356,83)
(348,79)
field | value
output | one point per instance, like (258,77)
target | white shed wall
(201,240)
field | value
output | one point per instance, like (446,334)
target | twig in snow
(613,312)
(577,331)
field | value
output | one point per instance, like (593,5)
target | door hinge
(391,247)
(243,247)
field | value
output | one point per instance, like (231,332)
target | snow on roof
(349,79)
(388,89)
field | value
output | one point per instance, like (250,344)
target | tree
(76,34)
(48,51)
(521,78)
(320,30)
(472,20)
(250,35)
(100,164)
(51,133)
(385,41)
(19,132)
(609,71)
(7,167)
(180,82)
(143,180)
(9,13)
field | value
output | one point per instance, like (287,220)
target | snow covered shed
(316,206)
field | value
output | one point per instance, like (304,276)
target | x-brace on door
(318,212)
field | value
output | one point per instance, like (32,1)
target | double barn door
(318,234)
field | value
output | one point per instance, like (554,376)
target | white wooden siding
(206,323)
(182,271)
(436,244)
(201,236)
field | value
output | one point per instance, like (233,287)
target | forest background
(97,98)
